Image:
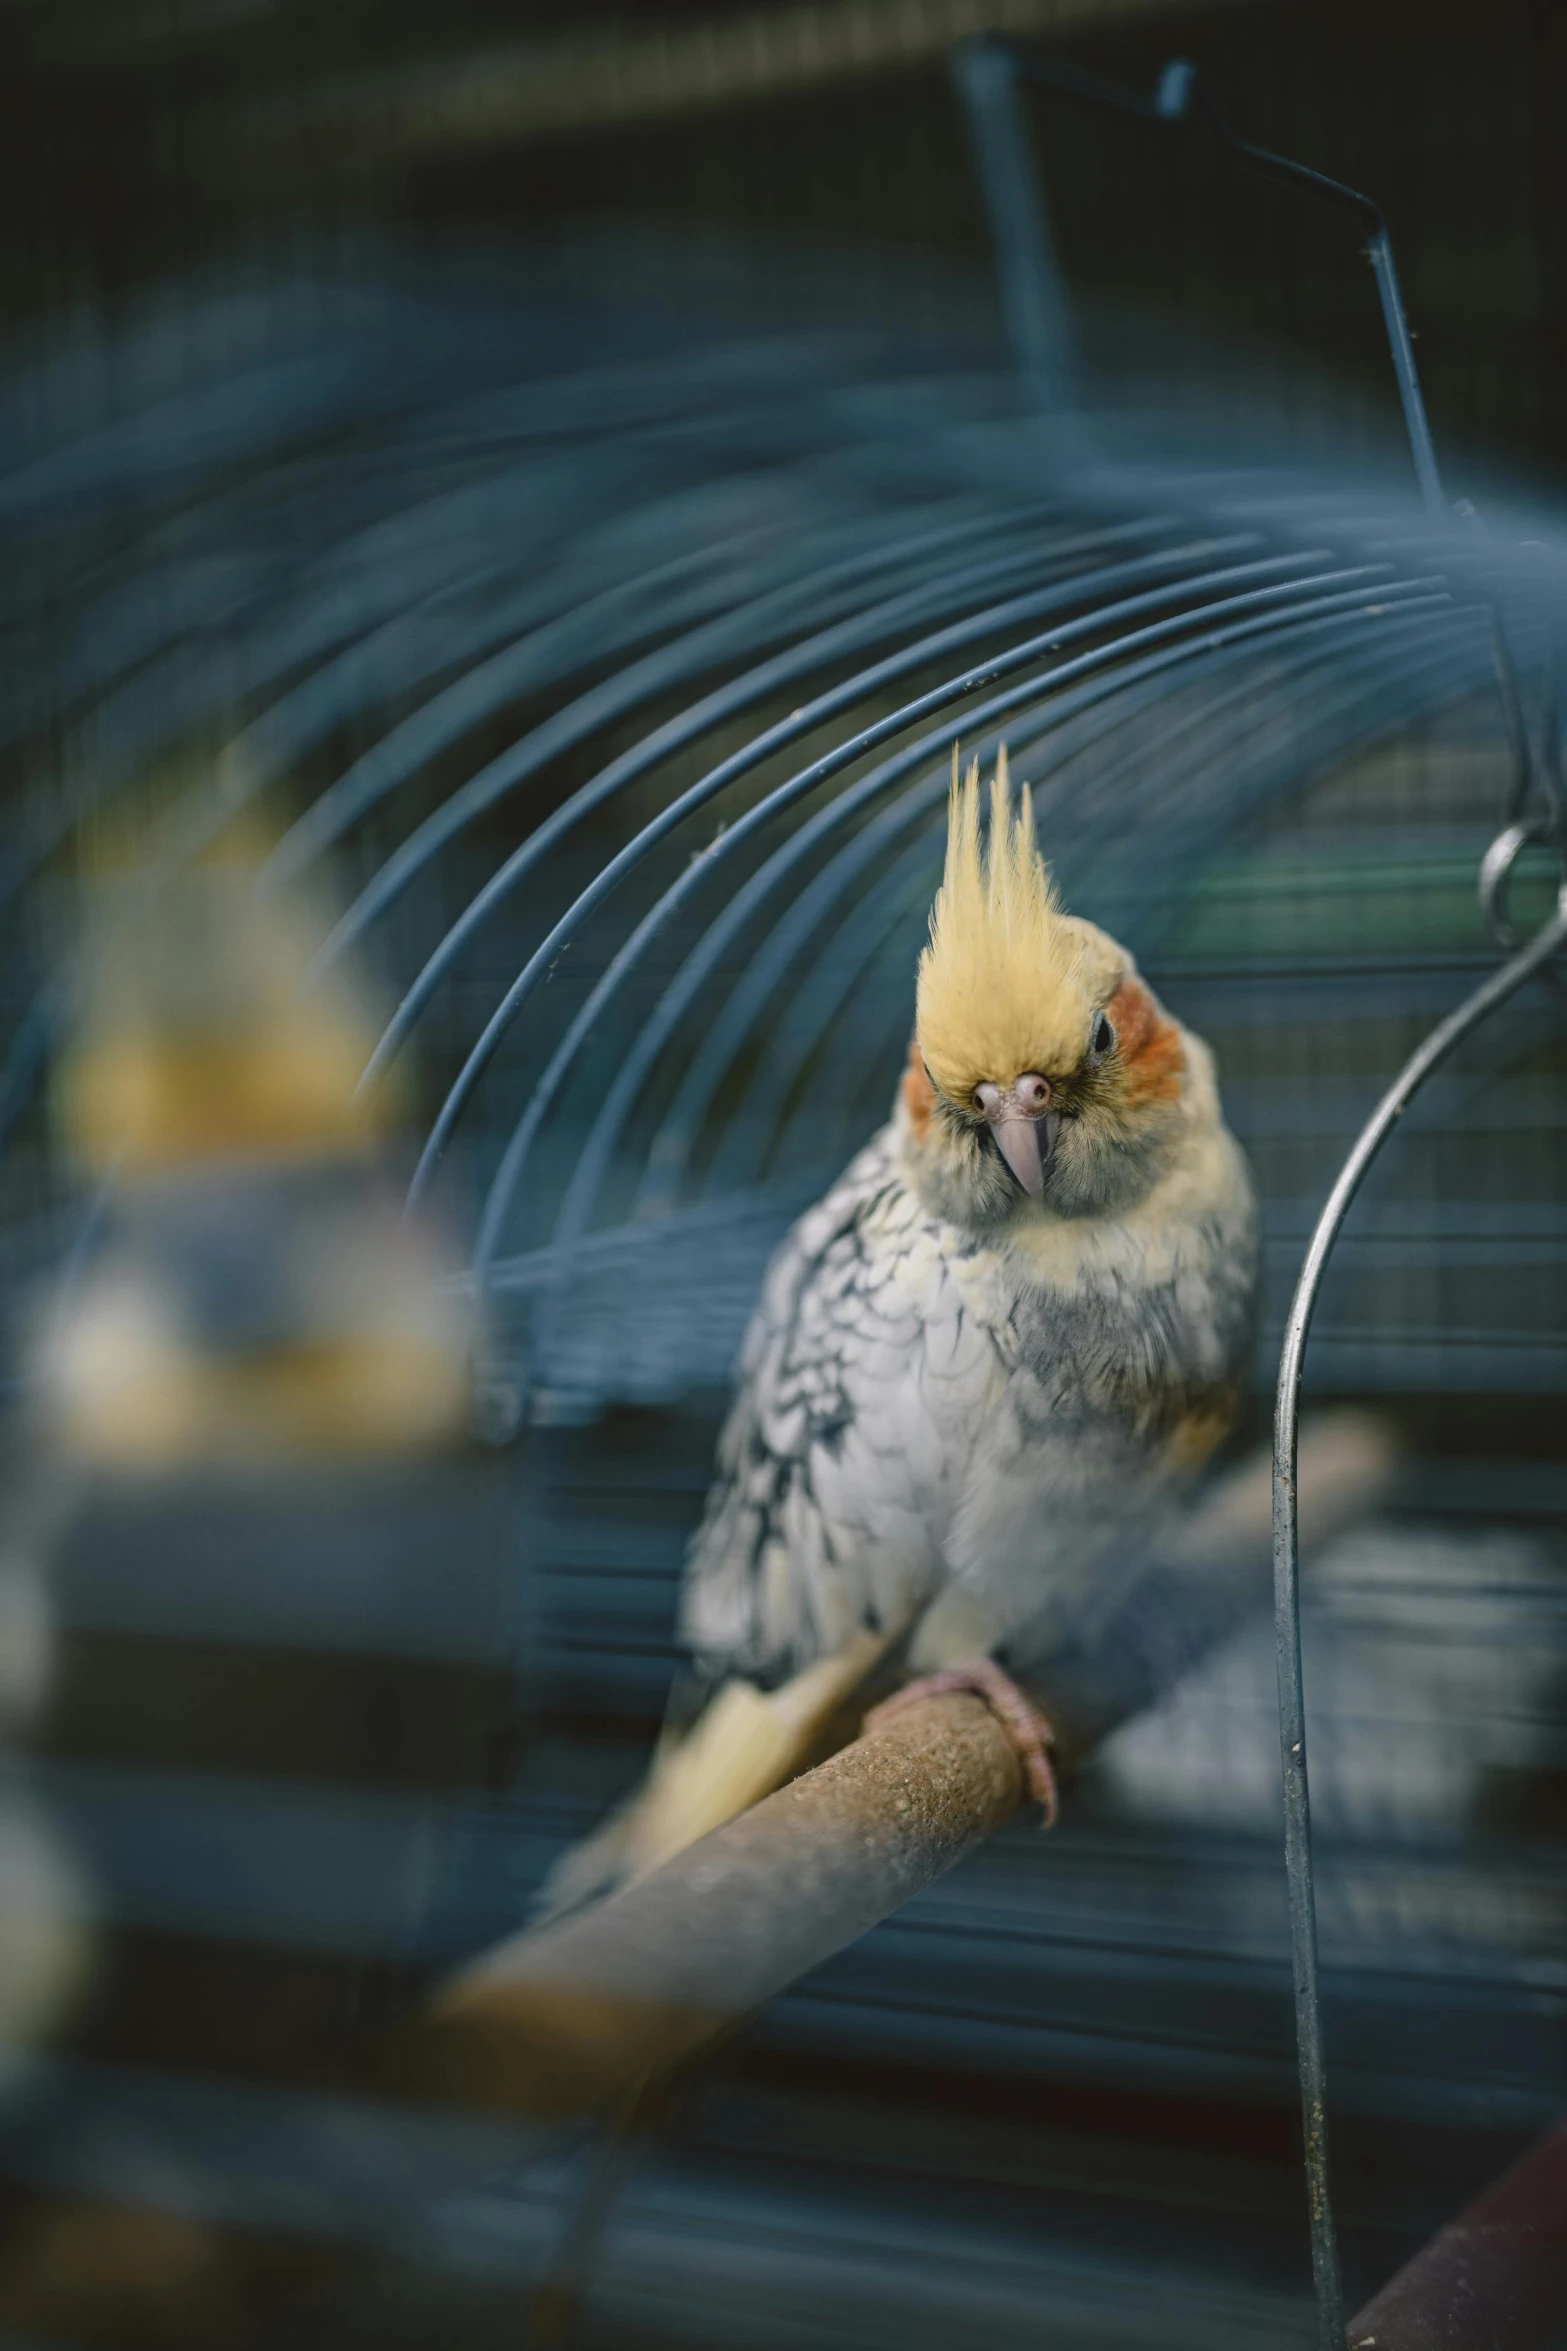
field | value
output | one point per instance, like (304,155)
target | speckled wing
(866,1377)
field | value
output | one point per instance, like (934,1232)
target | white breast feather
(905,1419)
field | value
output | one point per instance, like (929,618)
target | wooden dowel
(562,2019)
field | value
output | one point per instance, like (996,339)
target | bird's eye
(1102,1040)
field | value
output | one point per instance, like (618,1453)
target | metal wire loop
(1496,874)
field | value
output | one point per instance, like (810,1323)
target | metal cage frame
(991,75)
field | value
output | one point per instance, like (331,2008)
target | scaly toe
(1027,1728)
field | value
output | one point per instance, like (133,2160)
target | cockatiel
(983,1367)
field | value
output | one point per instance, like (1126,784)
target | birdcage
(605,669)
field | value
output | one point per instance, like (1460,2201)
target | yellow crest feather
(1002,985)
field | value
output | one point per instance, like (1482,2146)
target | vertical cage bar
(1286,1588)
(1411,399)
(1299,1873)
(1034,304)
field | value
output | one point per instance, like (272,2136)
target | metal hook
(1496,873)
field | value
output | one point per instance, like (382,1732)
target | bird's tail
(745,1743)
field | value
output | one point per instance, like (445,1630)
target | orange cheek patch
(919,1095)
(1151,1051)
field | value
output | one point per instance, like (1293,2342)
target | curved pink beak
(1025,1128)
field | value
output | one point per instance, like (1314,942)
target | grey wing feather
(821,1520)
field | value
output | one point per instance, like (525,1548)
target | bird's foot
(1027,1728)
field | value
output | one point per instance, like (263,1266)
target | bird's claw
(1027,1728)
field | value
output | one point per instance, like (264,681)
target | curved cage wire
(593,990)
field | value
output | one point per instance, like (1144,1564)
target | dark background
(136,139)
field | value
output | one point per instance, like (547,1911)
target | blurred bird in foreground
(254,1295)
(983,1368)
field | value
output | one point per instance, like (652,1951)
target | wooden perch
(563,2019)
